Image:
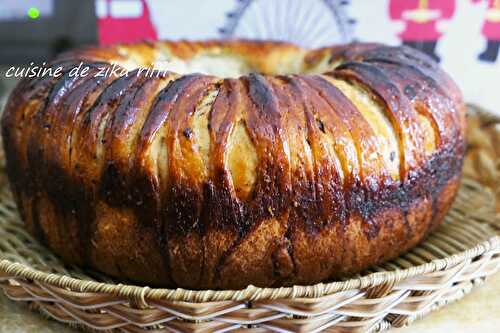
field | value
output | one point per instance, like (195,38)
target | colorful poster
(463,35)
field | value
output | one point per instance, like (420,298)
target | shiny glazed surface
(325,163)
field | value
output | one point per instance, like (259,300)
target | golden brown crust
(197,181)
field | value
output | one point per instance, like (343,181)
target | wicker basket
(460,254)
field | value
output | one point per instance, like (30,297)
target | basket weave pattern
(460,254)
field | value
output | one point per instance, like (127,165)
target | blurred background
(464,35)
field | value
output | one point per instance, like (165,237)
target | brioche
(243,163)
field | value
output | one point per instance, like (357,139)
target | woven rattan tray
(463,252)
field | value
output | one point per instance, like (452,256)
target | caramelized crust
(307,165)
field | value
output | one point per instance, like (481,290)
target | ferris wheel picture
(311,24)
